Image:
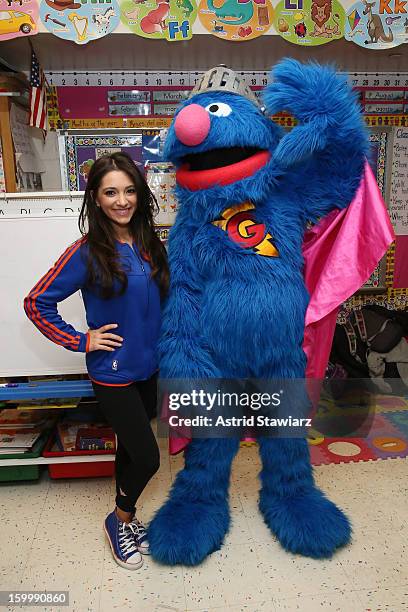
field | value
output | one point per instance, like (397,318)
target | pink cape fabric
(340,254)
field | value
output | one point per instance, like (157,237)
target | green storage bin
(10,473)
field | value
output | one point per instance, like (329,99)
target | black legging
(129,410)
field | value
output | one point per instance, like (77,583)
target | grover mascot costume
(238,300)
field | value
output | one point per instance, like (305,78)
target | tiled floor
(51,538)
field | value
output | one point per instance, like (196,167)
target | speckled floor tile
(266,605)
(51,536)
(239,531)
(338,601)
(159,484)
(231,576)
(80,577)
(152,498)
(23,499)
(16,538)
(373,494)
(290,575)
(245,469)
(176,463)
(364,509)
(149,588)
(68,541)
(77,502)
(385,600)
(369,475)
(256,525)
(379,562)
(11,572)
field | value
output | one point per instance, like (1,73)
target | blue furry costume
(236,307)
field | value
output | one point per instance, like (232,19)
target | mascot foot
(186,532)
(309,524)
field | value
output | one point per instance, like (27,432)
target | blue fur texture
(233,313)
(193,523)
(301,517)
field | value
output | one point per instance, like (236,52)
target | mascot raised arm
(238,299)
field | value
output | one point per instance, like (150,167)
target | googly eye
(219,109)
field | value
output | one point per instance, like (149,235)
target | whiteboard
(29,246)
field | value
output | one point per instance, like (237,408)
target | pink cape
(340,253)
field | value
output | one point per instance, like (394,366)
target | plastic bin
(9,473)
(92,469)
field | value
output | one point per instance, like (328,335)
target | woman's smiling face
(117,197)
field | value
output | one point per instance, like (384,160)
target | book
(95,438)
(41,404)
(15,418)
(22,439)
(66,433)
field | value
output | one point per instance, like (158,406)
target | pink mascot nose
(192,125)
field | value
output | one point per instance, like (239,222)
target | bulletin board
(78,151)
(380,161)
(389,158)
(399,206)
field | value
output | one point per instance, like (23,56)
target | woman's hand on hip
(102,340)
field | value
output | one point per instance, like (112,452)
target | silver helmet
(222,78)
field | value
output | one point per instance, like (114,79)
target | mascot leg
(194,520)
(298,513)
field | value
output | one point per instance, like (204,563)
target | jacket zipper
(139,258)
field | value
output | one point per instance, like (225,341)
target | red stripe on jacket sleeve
(51,331)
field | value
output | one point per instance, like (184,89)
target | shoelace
(126,540)
(138,529)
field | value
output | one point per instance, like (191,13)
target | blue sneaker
(122,542)
(140,535)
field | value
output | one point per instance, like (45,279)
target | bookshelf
(50,390)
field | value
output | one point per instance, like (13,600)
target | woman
(121,269)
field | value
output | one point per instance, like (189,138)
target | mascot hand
(320,99)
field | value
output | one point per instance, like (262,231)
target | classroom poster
(378,24)
(171,20)
(317,22)
(236,20)
(80,20)
(82,151)
(18,18)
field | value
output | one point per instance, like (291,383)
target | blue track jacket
(137,313)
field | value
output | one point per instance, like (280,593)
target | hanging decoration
(161,178)
(160,19)
(381,24)
(236,20)
(376,24)
(80,21)
(309,22)
(18,18)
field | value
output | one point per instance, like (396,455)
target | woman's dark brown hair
(103,263)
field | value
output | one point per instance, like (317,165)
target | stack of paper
(18,440)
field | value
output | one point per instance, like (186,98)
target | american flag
(38,95)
